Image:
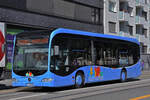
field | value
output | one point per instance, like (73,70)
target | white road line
(28,96)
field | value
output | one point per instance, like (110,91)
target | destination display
(33,41)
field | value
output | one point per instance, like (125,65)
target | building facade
(129,18)
(26,15)
(75,14)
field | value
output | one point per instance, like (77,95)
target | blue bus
(66,57)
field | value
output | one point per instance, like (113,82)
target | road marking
(28,96)
(141,97)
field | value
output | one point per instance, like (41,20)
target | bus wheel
(123,77)
(79,80)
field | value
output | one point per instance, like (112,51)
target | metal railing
(124,16)
(140,2)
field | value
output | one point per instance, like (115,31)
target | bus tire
(79,80)
(123,76)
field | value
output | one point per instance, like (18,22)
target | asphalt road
(137,89)
(126,94)
(113,90)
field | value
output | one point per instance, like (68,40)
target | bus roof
(77,32)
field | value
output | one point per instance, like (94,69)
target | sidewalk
(145,74)
(5,84)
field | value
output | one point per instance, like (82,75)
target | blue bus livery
(64,57)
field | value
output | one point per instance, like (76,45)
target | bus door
(60,66)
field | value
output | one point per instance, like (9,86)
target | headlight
(14,80)
(47,79)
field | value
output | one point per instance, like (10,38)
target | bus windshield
(31,55)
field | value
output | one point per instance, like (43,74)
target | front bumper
(36,84)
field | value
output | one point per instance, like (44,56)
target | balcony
(137,36)
(139,20)
(140,3)
(123,16)
(142,38)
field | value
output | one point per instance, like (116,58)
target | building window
(121,26)
(145,1)
(144,14)
(144,49)
(130,30)
(130,10)
(149,33)
(123,6)
(149,14)
(112,6)
(112,27)
(138,11)
(87,13)
(139,29)
(95,15)
(144,32)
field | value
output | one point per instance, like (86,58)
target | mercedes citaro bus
(64,57)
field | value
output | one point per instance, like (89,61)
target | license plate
(30,85)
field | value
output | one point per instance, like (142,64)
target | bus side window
(81,52)
(106,53)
